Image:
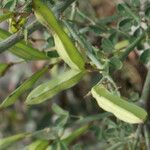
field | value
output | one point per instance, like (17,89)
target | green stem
(146,90)
(85,17)
(77,133)
(147,138)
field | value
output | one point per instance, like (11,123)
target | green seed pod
(122,109)
(49,89)
(65,47)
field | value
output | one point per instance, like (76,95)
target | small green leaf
(107,46)
(13,97)
(116,63)
(4,67)
(145,56)
(49,89)
(122,109)
(23,50)
(97,29)
(135,3)
(125,11)
(125,24)
(6,142)
(58,110)
(122,44)
(63,115)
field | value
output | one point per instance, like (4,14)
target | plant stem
(146,91)
(15,38)
(144,100)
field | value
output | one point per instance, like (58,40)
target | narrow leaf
(65,47)
(6,142)
(49,89)
(58,110)
(13,97)
(122,109)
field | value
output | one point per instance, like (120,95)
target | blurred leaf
(51,42)
(52,54)
(57,146)
(125,11)
(116,145)
(145,56)
(6,142)
(4,68)
(138,32)
(75,134)
(88,119)
(135,3)
(147,11)
(23,50)
(59,111)
(115,63)
(49,89)
(77,147)
(122,44)
(13,97)
(63,115)
(51,133)
(5,16)
(107,46)
(97,131)
(97,29)
(38,145)
(61,121)
(10,4)
(126,24)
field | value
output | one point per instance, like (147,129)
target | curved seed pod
(13,97)
(49,89)
(122,109)
(65,47)
(23,50)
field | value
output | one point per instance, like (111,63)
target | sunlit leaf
(49,89)
(122,109)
